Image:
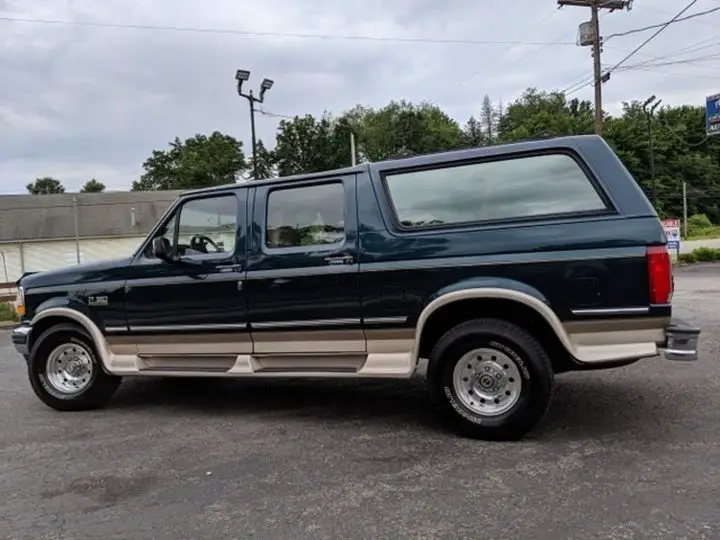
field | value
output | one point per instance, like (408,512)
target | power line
(677,137)
(273,115)
(637,49)
(248,33)
(646,28)
(486,65)
(648,40)
(701,21)
(649,63)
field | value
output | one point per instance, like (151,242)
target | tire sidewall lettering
(475,418)
(462,411)
(515,357)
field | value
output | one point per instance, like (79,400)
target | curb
(4,325)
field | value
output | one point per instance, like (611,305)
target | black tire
(100,388)
(536,382)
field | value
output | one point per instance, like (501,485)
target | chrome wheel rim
(487,382)
(69,368)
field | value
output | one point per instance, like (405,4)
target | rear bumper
(21,338)
(681,341)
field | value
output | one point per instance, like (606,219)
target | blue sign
(712,115)
(674,244)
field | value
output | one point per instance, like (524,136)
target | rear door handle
(229,267)
(339,259)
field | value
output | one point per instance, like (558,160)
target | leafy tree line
(48,186)
(310,144)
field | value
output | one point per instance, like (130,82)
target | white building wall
(10,264)
(49,255)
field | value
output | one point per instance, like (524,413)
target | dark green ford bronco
(498,266)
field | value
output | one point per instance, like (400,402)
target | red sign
(673,223)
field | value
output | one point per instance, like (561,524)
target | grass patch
(703,254)
(704,233)
(7,312)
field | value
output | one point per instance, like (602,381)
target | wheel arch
(517,303)
(61,315)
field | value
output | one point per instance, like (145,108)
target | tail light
(660,276)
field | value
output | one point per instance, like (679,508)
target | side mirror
(162,249)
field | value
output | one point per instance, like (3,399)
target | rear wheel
(491,379)
(65,373)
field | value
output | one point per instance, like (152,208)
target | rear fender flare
(526,297)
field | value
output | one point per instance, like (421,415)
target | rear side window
(306,216)
(526,187)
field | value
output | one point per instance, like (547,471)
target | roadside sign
(712,115)
(672,231)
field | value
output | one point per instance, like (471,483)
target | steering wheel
(199,242)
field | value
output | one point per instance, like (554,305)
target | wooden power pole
(590,36)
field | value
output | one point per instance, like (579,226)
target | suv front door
(195,305)
(302,275)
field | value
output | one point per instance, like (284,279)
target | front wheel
(491,379)
(65,372)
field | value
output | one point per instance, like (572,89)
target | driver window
(207,226)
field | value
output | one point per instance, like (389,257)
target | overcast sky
(79,101)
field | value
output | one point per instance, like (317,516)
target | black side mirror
(162,249)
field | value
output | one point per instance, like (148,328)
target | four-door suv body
(499,266)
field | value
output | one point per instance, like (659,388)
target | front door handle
(339,259)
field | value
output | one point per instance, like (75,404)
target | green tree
(306,144)
(45,186)
(402,126)
(473,131)
(266,163)
(197,162)
(489,119)
(538,113)
(93,186)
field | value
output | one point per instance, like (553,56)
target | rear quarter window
(518,188)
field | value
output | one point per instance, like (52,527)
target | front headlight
(20,302)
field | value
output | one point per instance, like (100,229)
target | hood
(80,273)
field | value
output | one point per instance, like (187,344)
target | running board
(393,365)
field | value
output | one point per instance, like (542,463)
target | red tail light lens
(659,274)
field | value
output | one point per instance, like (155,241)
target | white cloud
(78,102)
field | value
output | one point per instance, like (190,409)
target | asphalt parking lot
(627,453)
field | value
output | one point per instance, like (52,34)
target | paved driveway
(628,453)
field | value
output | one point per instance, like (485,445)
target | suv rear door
(302,276)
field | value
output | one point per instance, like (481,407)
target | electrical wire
(648,63)
(247,33)
(274,115)
(646,28)
(637,49)
(678,138)
(648,40)
(486,65)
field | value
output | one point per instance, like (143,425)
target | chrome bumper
(681,341)
(21,338)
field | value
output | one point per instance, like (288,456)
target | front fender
(66,302)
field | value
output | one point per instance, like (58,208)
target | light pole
(242,75)
(648,116)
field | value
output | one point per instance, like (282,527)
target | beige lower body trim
(311,353)
(608,341)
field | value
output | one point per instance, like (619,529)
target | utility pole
(353,155)
(651,146)
(589,35)
(684,229)
(597,67)
(241,76)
